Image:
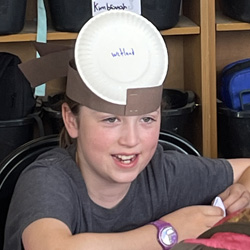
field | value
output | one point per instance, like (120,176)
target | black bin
(236,9)
(52,120)
(69,15)
(72,15)
(164,14)
(14,133)
(177,113)
(52,114)
(12,16)
(233,132)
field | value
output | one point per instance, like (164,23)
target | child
(111,186)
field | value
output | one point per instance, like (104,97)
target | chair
(12,166)
(171,141)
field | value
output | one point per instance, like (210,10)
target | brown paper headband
(52,64)
(58,61)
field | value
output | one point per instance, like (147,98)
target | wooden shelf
(224,23)
(184,27)
(191,55)
(29,34)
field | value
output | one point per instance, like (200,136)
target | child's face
(115,149)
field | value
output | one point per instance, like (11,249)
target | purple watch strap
(167,235)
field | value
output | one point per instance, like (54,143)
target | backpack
(234,85)
(16,95)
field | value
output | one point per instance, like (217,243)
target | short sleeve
(42,191)
(184,180)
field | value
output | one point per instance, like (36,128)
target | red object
(226,240)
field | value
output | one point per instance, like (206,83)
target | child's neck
(106,196)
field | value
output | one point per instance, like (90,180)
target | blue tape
(41,37)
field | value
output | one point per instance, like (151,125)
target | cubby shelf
(191,47)
(224,23)
(184,27)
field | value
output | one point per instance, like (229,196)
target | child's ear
(70,121)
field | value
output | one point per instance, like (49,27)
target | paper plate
(120,50)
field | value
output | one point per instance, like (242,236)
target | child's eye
(110,119)
(148,119)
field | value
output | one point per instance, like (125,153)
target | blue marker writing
(123,53)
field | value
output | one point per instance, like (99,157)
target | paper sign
(99,6)
(219,203)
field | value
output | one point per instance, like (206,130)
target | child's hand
(235,197)
(192,221)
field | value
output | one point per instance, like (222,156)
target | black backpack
(16,95)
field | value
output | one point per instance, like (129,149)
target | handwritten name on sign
(99,6)
(123,52)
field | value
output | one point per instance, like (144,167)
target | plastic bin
(52,119)
(52,114)
(69,15)
(72,15)
(177,113)
(12,16)
(236,9)
(233,132)
(164,14)
(14,133)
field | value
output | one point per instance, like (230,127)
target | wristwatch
(167,235)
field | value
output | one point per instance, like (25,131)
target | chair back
(12,166)
(171,141)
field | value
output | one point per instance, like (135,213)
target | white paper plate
(120,50)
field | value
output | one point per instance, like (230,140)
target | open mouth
(126,159)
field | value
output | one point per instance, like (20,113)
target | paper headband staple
(118,65)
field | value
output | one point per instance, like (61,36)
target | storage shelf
(29,34)
(224,23)
(184,27)
(191,55)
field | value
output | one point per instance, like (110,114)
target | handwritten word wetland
(123,52)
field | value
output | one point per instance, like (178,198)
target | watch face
(169,236)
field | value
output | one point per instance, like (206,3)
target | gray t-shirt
(53,187)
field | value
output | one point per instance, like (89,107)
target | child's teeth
(125,157)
